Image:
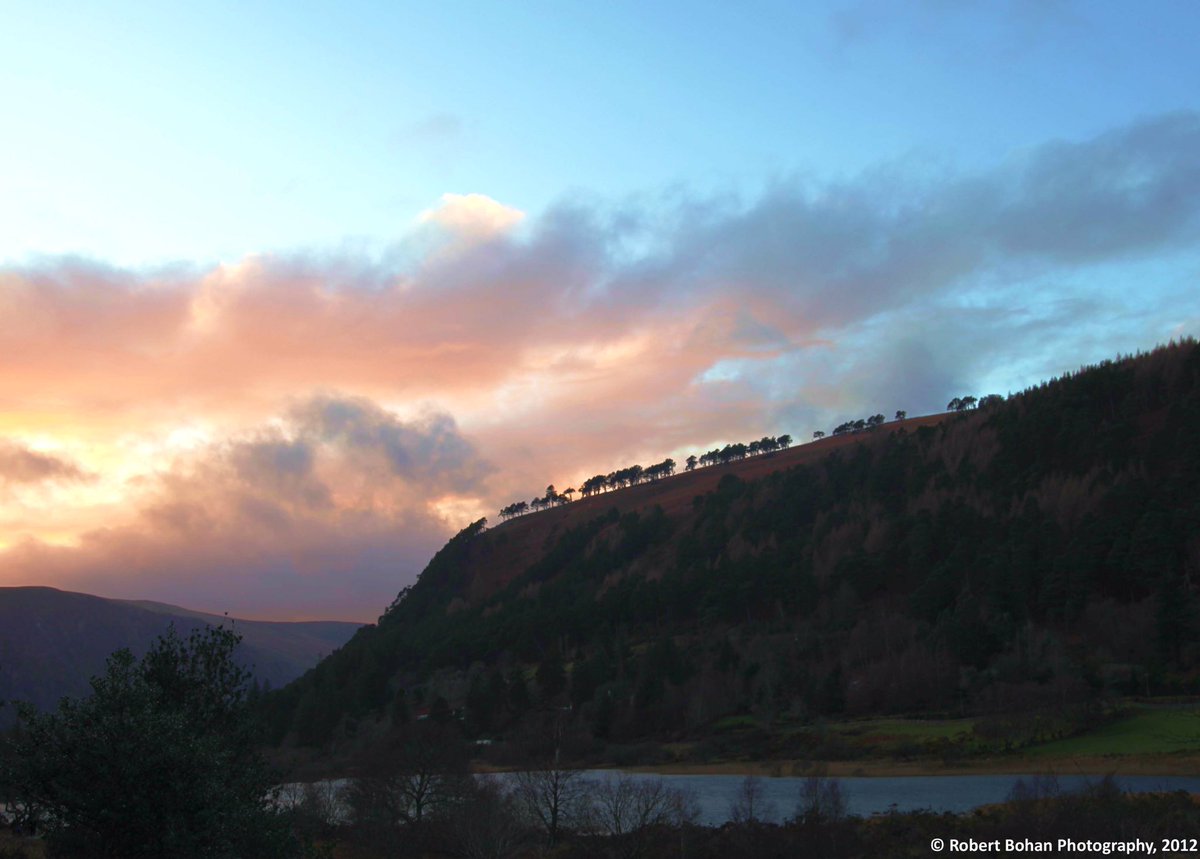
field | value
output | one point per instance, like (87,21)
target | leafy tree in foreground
(160,760)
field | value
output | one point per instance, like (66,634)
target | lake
(715,794)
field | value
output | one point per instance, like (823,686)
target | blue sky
(290,292)
(150,133)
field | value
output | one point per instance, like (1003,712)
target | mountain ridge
(53,641)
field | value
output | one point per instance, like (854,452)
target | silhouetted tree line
(635,474)
(733,452)
(552,498)
(963,404)
(630,476)
(859,425)
(958,404)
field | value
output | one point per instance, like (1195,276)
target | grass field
(735,723)
(1144,740)
(1143,732)
(912,730)
(905,738)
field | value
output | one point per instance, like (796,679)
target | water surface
(716,794)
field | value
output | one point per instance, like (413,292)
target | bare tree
(487,824)
(321,808)
(821,800)
(750,805)
(555,797)
(628,809)
(418,774)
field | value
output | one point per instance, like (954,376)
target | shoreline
(1090,765)
(1119,765)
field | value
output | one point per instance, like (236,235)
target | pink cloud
(340,407)
(320,517)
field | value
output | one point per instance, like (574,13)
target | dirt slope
(525,536)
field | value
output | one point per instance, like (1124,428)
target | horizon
(289,297)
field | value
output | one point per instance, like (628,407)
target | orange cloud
(273,522)
(249,411)
(292,436)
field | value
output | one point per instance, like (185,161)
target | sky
(292,292)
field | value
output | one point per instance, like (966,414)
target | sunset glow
(272,380)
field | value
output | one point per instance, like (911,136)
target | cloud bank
(292,436)
(322,508)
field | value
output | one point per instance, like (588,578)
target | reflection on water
(715,794)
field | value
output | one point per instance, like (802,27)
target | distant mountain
(1019,562)
(52,642)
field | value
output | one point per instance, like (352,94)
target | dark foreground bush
(159,761)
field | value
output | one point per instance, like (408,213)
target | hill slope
(52,642)
(1025,558)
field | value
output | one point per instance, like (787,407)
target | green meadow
(1141,732)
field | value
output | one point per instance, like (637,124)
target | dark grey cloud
(1129,191)
(430,451)
(840,254)
(281,467)
(275,456)
(20,464)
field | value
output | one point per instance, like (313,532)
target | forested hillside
(1020,562)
